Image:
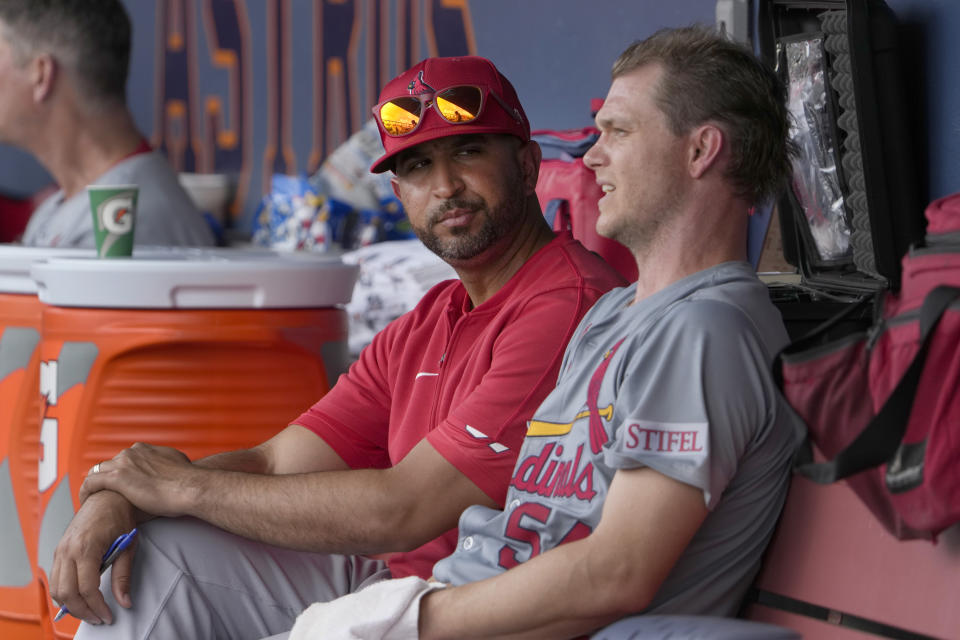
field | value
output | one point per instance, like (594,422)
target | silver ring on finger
(96,468)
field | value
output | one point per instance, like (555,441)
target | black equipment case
(854,206)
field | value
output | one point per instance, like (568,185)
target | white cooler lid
(16,260)
(197,279)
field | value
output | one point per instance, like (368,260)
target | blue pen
(119,546)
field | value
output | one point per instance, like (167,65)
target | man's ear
(395,184)
(43,73)
(529,156)
(705,144)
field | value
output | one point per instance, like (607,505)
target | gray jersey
(679,383)
(166,216)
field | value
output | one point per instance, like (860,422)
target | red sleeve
(354,416)
(483,434)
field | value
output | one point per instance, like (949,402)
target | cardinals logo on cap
(418,87)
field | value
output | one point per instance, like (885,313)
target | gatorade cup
(114,209)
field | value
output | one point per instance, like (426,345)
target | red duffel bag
(883,406)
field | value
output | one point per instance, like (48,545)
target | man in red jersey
(427,422)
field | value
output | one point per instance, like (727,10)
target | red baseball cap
(500,110)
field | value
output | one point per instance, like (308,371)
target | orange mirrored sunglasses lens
(459,104)
(400,116)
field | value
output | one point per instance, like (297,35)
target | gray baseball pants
(194,581)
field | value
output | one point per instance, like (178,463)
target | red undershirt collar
(143,147)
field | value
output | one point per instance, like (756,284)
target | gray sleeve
(165,213)
(694,398)
(61,223)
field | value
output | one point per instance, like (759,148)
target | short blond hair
(708,78)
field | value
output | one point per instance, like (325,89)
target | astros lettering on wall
(204,105)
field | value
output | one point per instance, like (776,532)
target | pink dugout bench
(832,572)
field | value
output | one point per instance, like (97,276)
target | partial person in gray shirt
(63,67)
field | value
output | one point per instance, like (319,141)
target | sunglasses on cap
(459,104)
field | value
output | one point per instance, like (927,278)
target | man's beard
(467,243)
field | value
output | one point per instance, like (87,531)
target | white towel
(386,610)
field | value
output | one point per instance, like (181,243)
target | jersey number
(516,531)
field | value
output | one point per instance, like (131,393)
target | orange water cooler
(20,310)
(205,351)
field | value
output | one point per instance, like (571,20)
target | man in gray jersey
(63,68)
(651,478)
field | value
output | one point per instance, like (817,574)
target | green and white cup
(114,209)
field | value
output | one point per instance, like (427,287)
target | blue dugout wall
(254,87)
